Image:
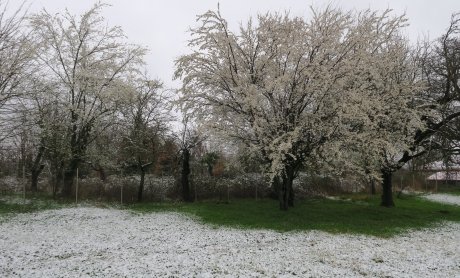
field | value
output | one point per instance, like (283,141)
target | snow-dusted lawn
(79,242)
(444,198)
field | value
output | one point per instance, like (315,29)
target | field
(319,238)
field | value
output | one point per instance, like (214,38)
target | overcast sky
(162,26)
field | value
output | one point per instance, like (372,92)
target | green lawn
(449,189)
(360,216)
(355,214)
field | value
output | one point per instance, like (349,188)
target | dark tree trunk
(34,181)
(291,193)
(210,168)
(78,145)
(285,190)
(288,179)
(55,183)
(34,177)
(185,175)
(57,175)
(141,184)
(142,169)
(387,192)
(37,167)
(101,172)
(70,172)
(69,176)
(283,196)
(282,192)
(373,191)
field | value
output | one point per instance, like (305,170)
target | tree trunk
(141,184)
(34,181)
(34,177)
(57,171)
(283,196)
(281,191)
(288,179)
(373,191)
(387,192)
(101,172)
(69,176)
(291,193)
(37,167)
(285,189)
(78,144)
(185,175)
(55,184)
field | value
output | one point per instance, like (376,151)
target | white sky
(162,26)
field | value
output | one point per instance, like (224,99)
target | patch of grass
(15,203)
(449,189)
(351,214)
(354,214)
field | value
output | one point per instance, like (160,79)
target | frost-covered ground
(79,242)
(444,198)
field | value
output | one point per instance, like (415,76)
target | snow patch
(95,242)
(444,198)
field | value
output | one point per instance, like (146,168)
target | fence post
(24,181)
(436,189)
(196,194)
(76,189)
(228,193)
(425,181)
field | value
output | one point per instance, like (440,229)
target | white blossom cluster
(333,87)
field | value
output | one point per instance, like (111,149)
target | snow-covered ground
(89,242)
(444,198)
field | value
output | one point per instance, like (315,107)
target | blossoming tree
(287,85)
(89,60)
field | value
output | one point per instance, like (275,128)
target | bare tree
(16,53)
(146,121)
